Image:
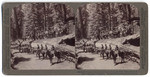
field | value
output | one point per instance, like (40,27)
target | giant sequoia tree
(41,20)
(17,23)
(101,19)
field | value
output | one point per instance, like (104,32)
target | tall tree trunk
(109,8)
(33,35)
(64,12)
(16,22)
(81,22)
(129,14)
(44,6)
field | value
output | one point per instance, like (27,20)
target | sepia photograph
(42,37)
(108,36)
(97,36)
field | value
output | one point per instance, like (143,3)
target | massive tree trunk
(18,21)
(64,12)
(81,23)
(109,8)
(129,14)
(44,6)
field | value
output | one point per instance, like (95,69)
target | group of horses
(42,53)
(107,52)
(51,52)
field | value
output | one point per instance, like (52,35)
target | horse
(114,55)
(38,52)
(107,52)
(58,55)
(43,52)
(102,53)
(50,56)
(121,55)
(34,50)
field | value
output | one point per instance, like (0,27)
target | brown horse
(58,55)
(121,55)
(114,55)
(50,56)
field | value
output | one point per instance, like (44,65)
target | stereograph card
(75,38)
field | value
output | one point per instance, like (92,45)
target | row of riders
(107,52)
(44,53)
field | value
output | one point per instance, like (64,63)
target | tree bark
(64,12)
(129,14)
(81,22)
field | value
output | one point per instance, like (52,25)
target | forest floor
(31,62)
(92,60)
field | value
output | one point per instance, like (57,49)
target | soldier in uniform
(117,48)
(106,51)
(41,47)
(115,54)
(52,48)
(42,51)
(111,51)
(38,47)
(102,51)
(46,47)
(58,55)
(38,51)
(49,55)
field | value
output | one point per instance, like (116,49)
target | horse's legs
(107,55)
(103,55)
(110,55)
(122,59)
(51,60)
(46,55)
(114,60)
(39,55)
(43,54)
(58,59)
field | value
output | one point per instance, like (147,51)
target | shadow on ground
(121,63)
(83,59)
(17,60)
(20,59)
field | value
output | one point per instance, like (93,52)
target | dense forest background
(103,20)
(93,21)
(41,20)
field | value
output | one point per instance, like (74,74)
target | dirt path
(99,63)
(35,64)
